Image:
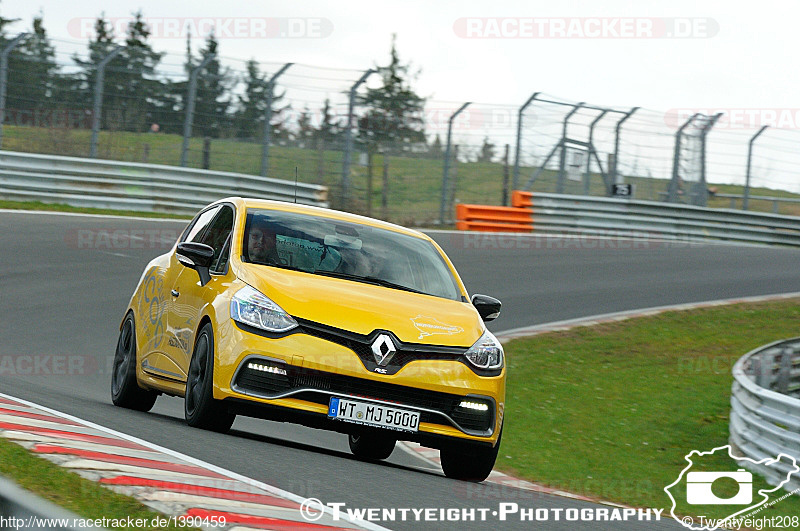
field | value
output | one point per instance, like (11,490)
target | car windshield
(361,253)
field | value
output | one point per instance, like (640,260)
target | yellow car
(332,320)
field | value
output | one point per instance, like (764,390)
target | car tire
(469,463)
(125,390)
(371,446)
(200,409)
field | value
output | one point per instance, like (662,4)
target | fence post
(587,176)
(4,77)
(348,137)
(268,119)
(370,157)
(446,172)
(517,149)
(563,158)
(206,164)
(672,196)
(505,177)
(746,198)
(385,188)
(617,129)
(190,97)
(700,195)
(98,98)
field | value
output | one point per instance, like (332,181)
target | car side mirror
(197,256)
(488,307)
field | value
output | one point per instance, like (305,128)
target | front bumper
(300,387)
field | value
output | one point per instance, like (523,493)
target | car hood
(363,308)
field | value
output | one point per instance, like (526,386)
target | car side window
(195,230)
(218,233)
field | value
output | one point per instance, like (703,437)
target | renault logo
(383,349)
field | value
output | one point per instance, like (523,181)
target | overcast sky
(737,54)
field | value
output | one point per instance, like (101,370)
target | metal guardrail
(600,215)
(133,186)
(19,509)
(739,198)
(765,409)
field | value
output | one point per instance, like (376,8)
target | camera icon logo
(698,488)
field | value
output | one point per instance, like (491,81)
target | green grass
(414,191)
(610,411)
(57,207)
(83,497)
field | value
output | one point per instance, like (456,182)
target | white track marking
(208,466)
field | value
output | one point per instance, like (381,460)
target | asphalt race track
(65,287)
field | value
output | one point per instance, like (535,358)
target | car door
(162,363)
(189,297)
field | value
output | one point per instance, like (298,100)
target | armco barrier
(521,199)
(134,186)
(493,218)
(568,214)
(765,409)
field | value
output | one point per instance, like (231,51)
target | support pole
(517,149)
(746,199)
(672,195)
(4,77)
(563,158)
(587,176)
(446,172)
(614,172)
(268,119)
(98,98)
(348,137)
(700,195)
(187,124)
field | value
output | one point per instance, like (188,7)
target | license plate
(372,414)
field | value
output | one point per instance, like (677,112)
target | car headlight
(251,307)
(486,353)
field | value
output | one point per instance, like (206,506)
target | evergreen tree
(249,118)
(213,86)
(394,117)
(141,92)
(305,129)
(32,76)
(81,89)
(330,128)
(3,23)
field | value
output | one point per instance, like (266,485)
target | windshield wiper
(369,280)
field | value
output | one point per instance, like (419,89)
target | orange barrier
(521,199)
(493,218)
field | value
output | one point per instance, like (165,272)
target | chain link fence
(209,111)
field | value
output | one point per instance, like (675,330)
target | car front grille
(362,346)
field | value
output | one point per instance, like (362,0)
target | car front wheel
(371,446)
(200,408)
(469,463)
(125,390)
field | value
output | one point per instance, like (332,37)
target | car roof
(284,206)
